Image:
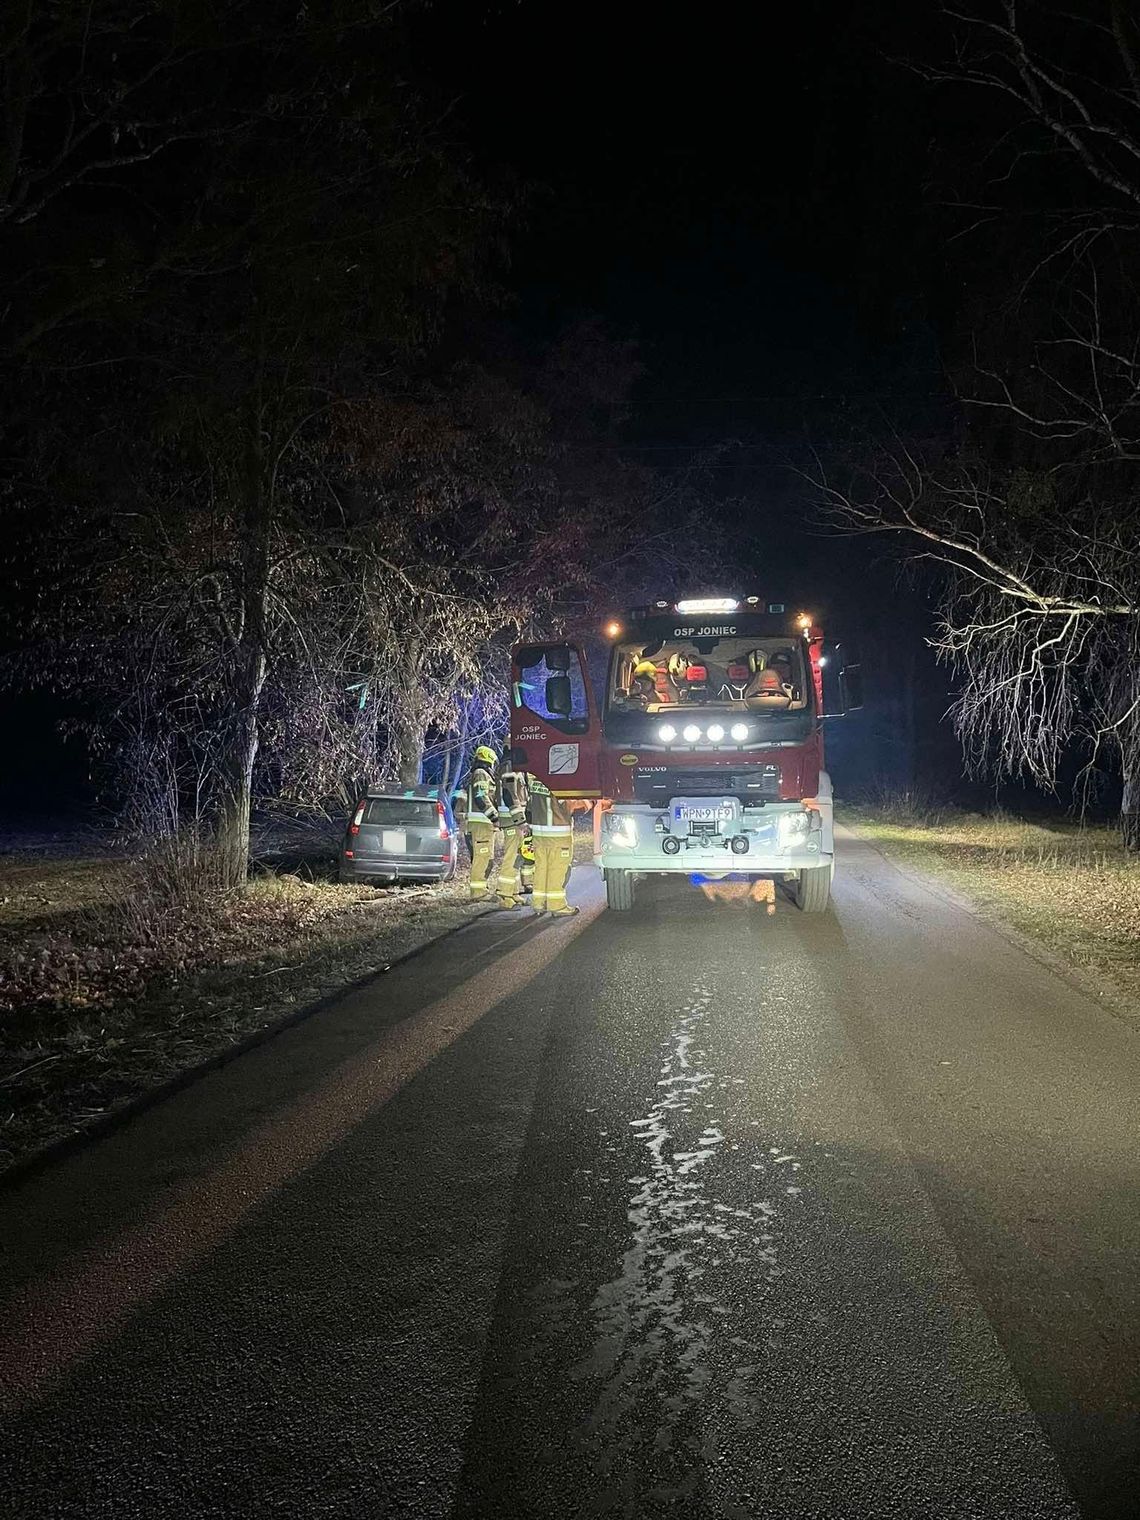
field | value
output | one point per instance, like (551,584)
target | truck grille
(755,783)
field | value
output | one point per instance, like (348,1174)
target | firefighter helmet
(645,668)
(757,660)
(485,755)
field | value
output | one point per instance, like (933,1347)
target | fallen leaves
(122,990)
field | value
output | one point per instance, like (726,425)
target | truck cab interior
(743,675)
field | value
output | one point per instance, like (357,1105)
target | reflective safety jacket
(544,812)
(482,794)
(513,792)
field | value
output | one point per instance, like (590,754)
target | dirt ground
(107,989)
(100,1001)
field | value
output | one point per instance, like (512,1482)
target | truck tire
(813,889)
(619,890)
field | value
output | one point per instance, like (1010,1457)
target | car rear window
(388,810)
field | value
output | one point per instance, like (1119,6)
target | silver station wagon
(400,833)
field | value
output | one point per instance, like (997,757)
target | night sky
(746,195)
(743,194)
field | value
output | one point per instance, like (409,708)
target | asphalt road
(687,1212)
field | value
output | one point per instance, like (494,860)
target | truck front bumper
(711,861)
(764,855)
(777,839)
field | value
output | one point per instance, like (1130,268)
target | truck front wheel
(813,889)
(619,890)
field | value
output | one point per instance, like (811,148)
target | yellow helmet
(485,755)
(645,668)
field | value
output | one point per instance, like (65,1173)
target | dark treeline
(280,482)
(1016,501)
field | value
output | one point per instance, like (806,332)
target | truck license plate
(698,812)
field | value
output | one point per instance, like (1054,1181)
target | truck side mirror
(559,699)
(842,681)
(851,688)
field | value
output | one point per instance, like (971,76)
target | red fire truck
(705,748)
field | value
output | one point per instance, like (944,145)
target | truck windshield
(742,674)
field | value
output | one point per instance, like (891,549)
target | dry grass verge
(117,976)
(1069,888)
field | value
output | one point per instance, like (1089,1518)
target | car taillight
(357,819)
(442,820)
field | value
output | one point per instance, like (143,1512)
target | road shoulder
(1113,988)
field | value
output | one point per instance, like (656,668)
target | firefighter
(513,798)
(781,663)
(766,685)
(553,836)
(482,795)
(738,673)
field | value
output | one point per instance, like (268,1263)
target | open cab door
(556,730)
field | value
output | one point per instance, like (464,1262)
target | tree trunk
(1130,812)
(407,727)
(240,724)
(453,760)
(406,748)
(239,750)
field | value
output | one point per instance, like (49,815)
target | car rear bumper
(394,868)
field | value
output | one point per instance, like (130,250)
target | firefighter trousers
(553,857)
(482,832)
(509,867)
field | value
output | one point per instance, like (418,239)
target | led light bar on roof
(708,604)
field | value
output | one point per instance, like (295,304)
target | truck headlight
(740,732)
(792,829)
(620,829)
(666,733)
(690,733)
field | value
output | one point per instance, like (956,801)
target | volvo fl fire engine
(705,747)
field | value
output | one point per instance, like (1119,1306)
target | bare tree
(316,229)
(1031,522)
(1071,81)
(1038,614)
